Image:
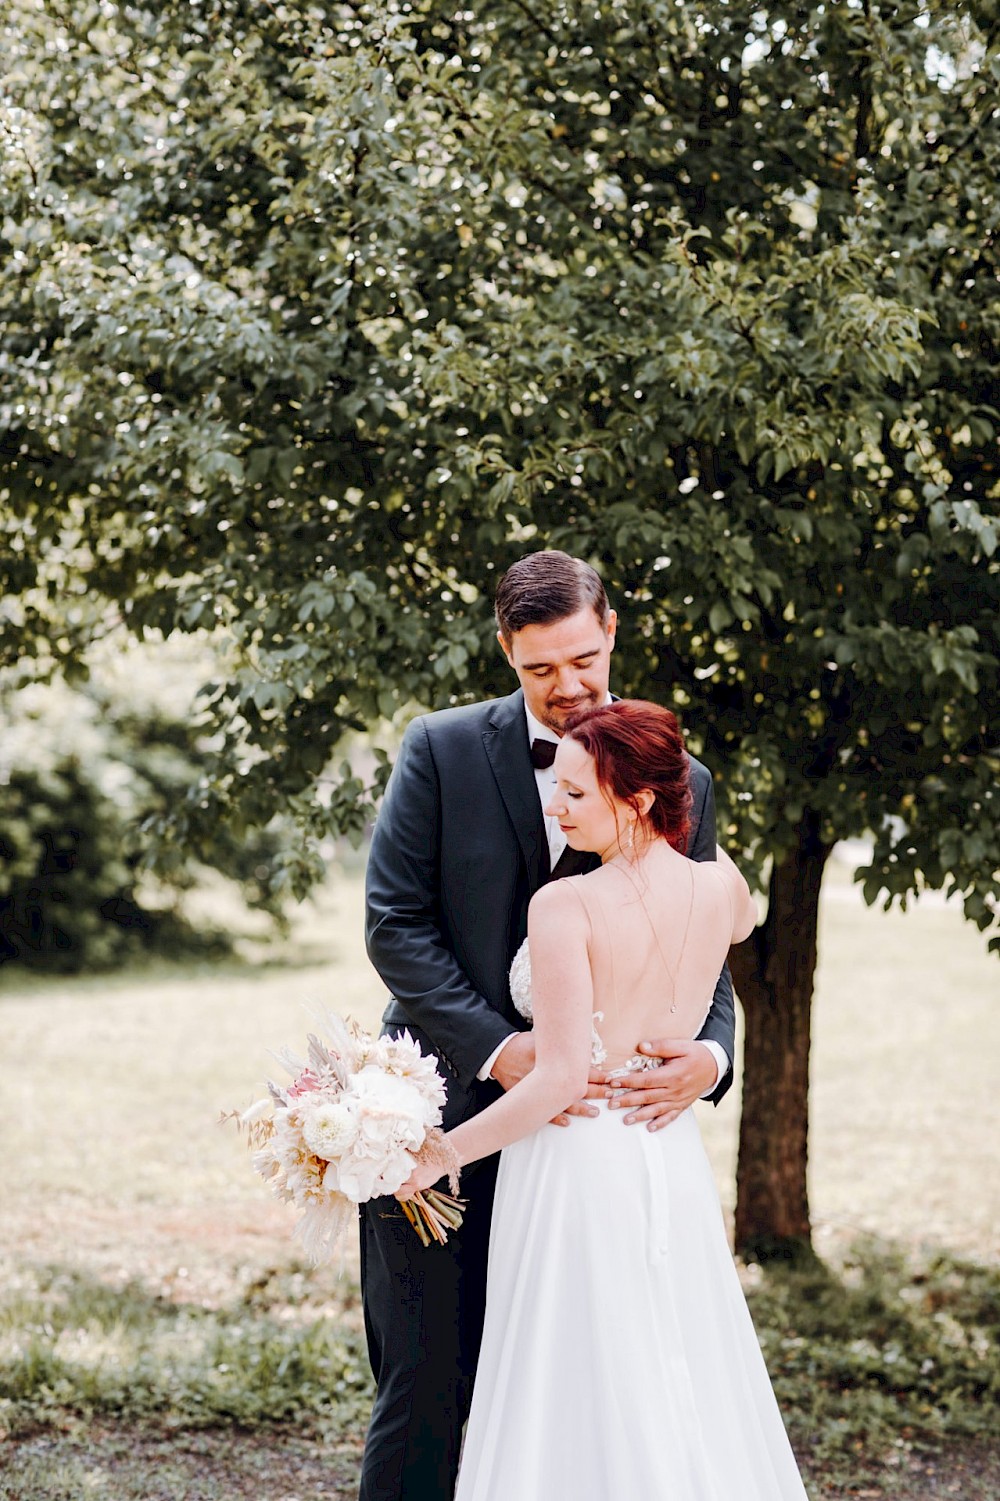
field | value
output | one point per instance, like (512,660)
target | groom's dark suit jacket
(458,851)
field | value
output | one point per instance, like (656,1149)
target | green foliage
(891,1349)
(317,317)
(888,1351)
(83,771)
(71,1346)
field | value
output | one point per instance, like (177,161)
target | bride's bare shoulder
(556,897)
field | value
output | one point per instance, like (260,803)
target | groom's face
(563,666)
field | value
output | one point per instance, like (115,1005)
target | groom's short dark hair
(544,587)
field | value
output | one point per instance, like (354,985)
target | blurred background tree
(86,770)
(316,317)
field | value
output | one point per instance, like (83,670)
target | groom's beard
(555,715)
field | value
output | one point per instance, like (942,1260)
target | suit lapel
(575,863)
(505,741)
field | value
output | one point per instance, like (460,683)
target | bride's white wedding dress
(619,1359)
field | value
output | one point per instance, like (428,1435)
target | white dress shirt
(545,780)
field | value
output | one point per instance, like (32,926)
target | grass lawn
(159,1335)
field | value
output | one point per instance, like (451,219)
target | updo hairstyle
(638,747)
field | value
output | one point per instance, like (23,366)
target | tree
(340,309)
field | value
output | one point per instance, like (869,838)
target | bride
(618,1355)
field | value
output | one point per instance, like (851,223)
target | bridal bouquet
(357,1116)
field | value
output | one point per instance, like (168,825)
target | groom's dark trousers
(458,851)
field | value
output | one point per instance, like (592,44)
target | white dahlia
(329,1128)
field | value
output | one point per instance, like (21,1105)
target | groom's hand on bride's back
(657,1096)
(518,1059)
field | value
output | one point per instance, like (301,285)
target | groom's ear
(611,626)
(505,647)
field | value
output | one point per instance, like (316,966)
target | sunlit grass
(114,1084)
(112,1087)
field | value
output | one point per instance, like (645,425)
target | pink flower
(306,1082)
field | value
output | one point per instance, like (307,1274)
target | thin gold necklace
(624,867)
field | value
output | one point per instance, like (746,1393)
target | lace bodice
(520,992)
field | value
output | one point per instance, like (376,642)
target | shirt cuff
(487,1068)
(723,1063)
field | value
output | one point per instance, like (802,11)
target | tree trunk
(773,974)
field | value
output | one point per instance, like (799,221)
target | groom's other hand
(518,1059)
(515,1060)
(658,1096)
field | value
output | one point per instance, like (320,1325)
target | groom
(460,847)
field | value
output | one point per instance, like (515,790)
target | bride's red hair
(638,747)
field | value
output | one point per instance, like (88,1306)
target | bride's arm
(562,1001)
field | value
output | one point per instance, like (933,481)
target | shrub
(84,772)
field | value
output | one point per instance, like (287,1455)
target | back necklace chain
(626,872)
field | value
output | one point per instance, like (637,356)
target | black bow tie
(543,753)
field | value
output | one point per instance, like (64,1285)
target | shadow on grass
(122,1463)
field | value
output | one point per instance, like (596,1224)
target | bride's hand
(658,1096)
(423,1176)
(581,1107)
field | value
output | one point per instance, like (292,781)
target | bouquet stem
(432,1214)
